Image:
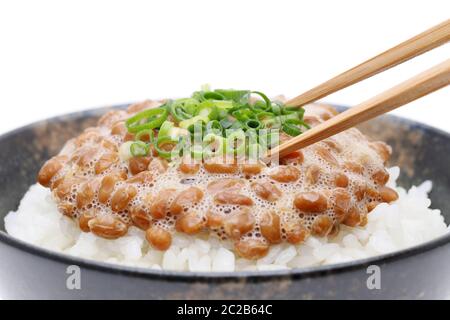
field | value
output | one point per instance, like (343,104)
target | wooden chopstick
(430,39)
(410,90)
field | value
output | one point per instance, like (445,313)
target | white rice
(404,223)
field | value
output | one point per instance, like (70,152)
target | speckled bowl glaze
(27,271)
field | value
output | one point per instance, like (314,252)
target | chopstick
(418,86)
(427,40)
(410,90)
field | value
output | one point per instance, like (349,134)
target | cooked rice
(406,222)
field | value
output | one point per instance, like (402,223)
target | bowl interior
(422,153)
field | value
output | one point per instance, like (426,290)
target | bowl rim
(195,276)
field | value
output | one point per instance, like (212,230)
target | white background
(61,56)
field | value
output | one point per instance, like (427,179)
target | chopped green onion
(243,114)
(253,124)
(278,121)
(198,126)
(204,95)
(165,128)
(292,127)
(266,100)
(226,123)
(207,109)
(215,127)
(239,96)
(235,142)
(222,114)
(272,123)
(207,114)
(142,134)
(188,122)
(148,119)
(288,110)
(168,129)
(213,145)
(258,106)
(264,116)
(223,104)
(290,116)
(236,125)
(197,131)
(176,133)
(252,136)
(183,109)
(211,95)
(276,109)
(161,141)
(139,149)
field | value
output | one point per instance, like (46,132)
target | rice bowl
(410,140)
(182,185)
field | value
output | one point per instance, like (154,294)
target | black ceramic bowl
(27,271)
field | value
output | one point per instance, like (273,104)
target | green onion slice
(223,104)
(206,115)
(252,136)
(239,96)
(288,110)
(291,127)
(226,123)
(272,123)
(213,95)
(165,128)
(196,152)
(253,124)
(213,145)
(264,115)
(141,135)
(215,127)
(243,114)
(148,119)
(235,142)
(161,146)
(276,108)
(268,105)
(185,124)
(182,109)
(207,109)
(197,131)
(139,149)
